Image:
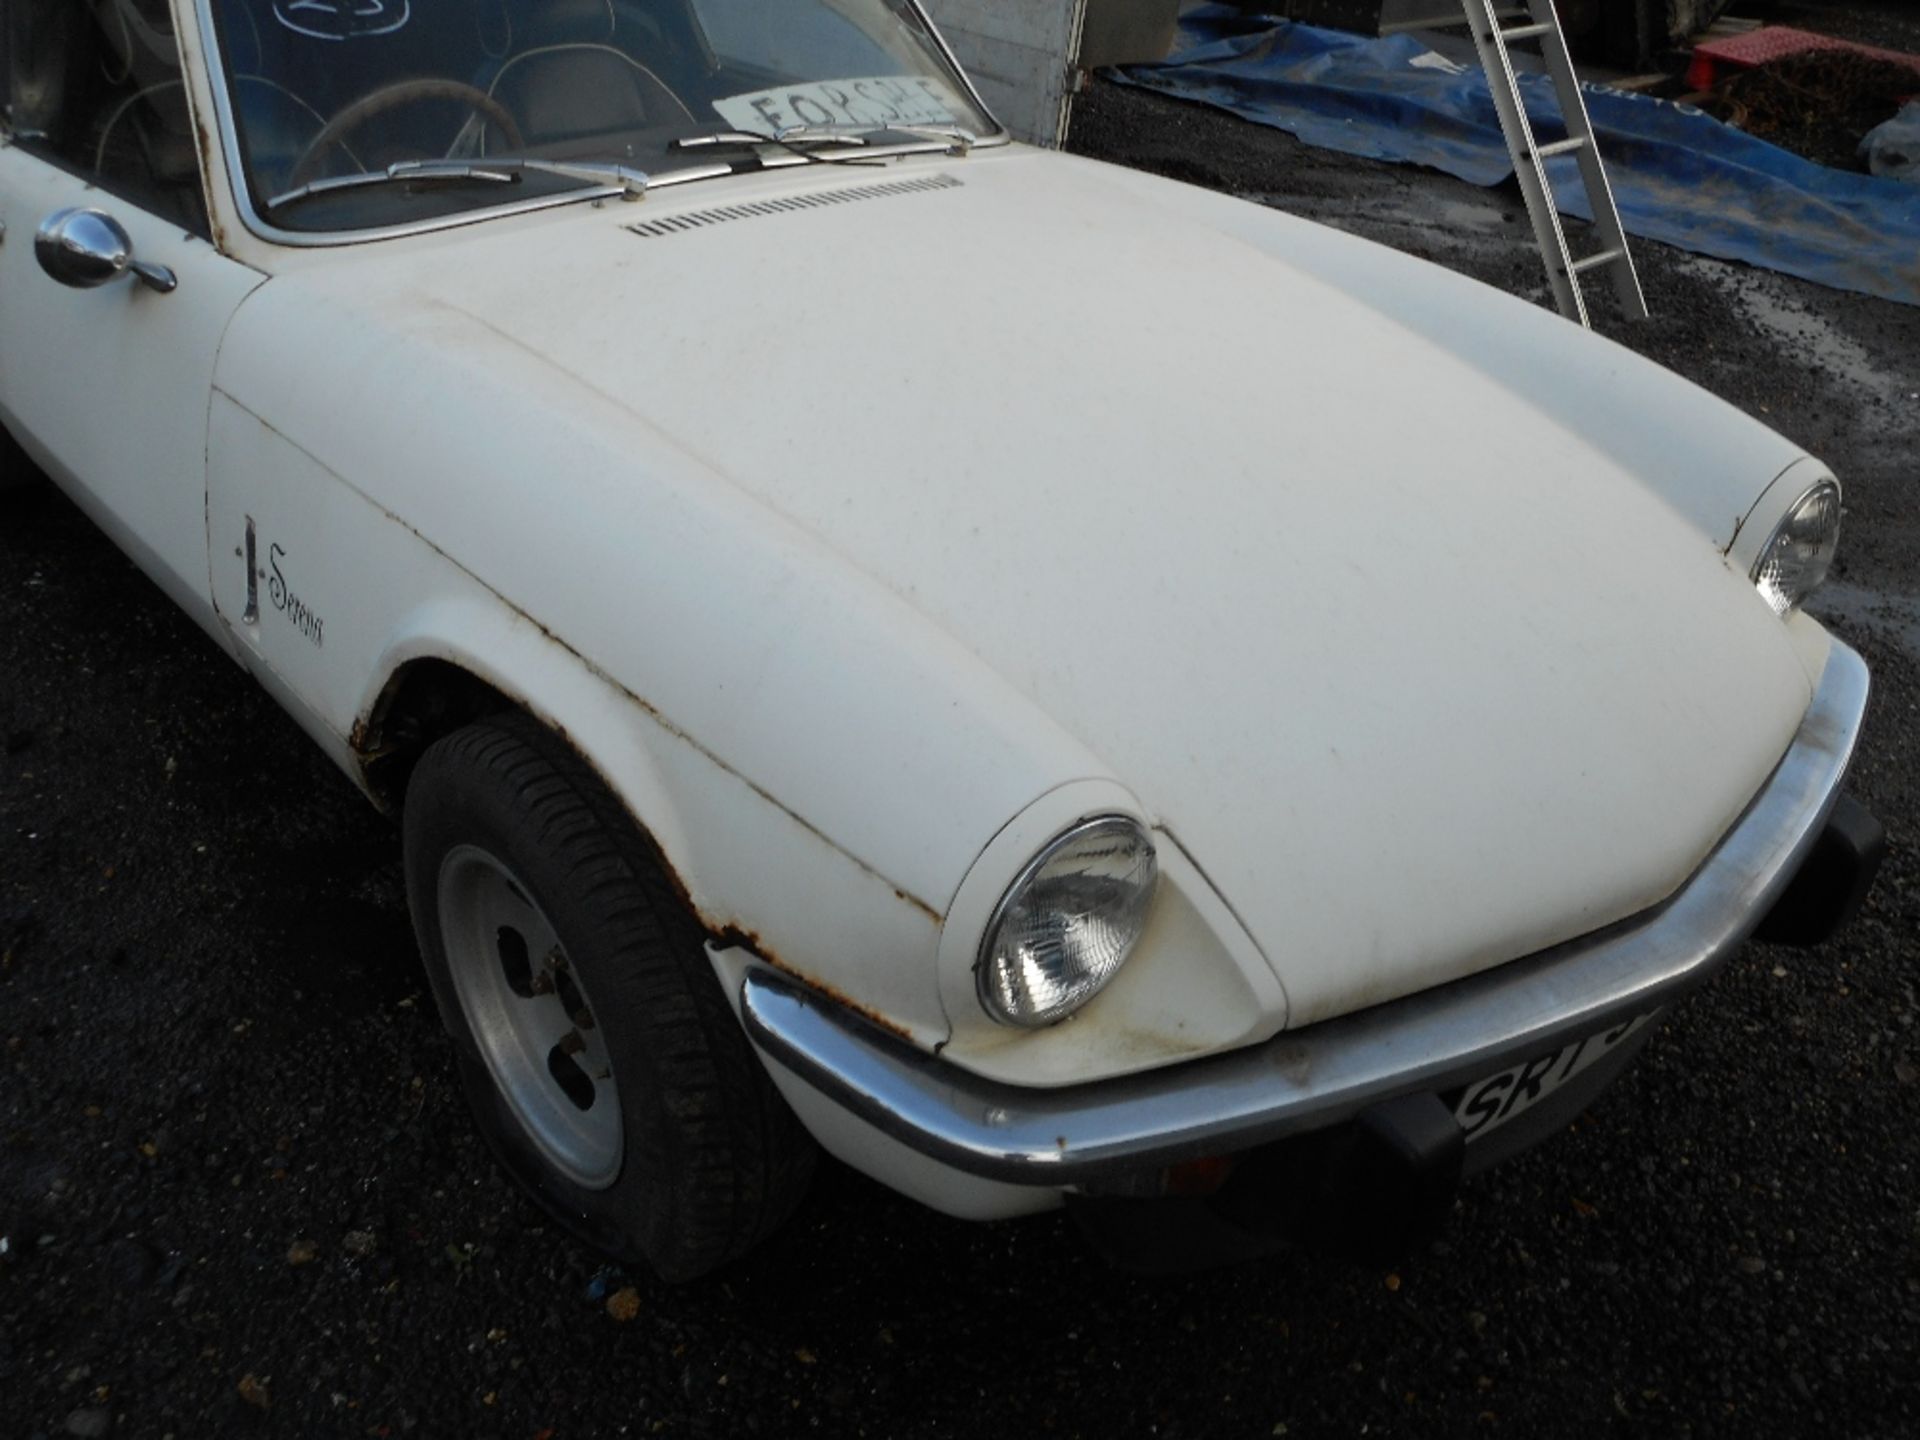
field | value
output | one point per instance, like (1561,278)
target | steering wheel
(403,92)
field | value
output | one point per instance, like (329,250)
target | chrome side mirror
(86,248)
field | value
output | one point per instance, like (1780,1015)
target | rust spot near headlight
(917,903)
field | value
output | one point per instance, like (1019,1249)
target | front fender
(345,596)
(755,873)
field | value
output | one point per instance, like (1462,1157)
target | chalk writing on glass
(342,19)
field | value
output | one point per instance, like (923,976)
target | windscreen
(329,88)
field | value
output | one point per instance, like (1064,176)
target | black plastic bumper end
(1833,882)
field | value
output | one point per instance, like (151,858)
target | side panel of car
(107,386)
(341,596)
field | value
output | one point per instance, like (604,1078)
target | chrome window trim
(1001,136)
(259,226)
(1328,1072)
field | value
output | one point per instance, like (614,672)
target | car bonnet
(1400,603)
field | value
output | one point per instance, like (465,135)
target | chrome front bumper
(1327,1073)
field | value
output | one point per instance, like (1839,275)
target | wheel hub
(530,1015)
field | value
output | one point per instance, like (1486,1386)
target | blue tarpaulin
(1679,175)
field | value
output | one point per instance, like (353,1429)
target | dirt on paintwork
(239,1194)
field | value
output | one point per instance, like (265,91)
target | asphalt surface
(239,1193)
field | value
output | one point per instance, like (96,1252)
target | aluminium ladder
(1493,38)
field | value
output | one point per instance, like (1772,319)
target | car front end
(1362,1123)
(1094,787)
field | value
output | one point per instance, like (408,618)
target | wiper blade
(633,183)
(871,145)
(958,140)
(793,140)
(630,182)
(793,136)
(952,137)
(926,139)
(400,170)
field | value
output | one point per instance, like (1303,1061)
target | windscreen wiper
(792,141)
(951,137)
(631,183)
(872,148)
(957,141)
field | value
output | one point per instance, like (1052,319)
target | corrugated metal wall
(1022,56)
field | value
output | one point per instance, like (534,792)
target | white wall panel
(1022,54)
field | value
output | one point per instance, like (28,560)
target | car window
(95,86)
(784,42)
(323,90)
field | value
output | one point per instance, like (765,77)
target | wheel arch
(421,700)
(751,871)
(459,663)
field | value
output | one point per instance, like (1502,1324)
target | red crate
(1713,58)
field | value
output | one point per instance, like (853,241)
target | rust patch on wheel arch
(652,711)
(366,742)
(731,937)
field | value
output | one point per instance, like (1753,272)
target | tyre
(593,1040)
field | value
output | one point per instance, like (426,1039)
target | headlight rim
(1016,889)
(1778,533)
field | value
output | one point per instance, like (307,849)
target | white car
(1055,685)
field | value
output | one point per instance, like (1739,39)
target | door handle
(87,248)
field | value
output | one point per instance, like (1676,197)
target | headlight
(1795,558)
(1065,927)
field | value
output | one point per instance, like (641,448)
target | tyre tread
(739,1158)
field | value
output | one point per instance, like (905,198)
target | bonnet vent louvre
(720,214)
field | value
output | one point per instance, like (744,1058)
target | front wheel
(592,1038)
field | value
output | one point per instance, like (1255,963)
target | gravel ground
(240,1194)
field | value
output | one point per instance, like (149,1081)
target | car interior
(615,79)
(95,87)
(325,88)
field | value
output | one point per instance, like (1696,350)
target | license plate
(1488,1104)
